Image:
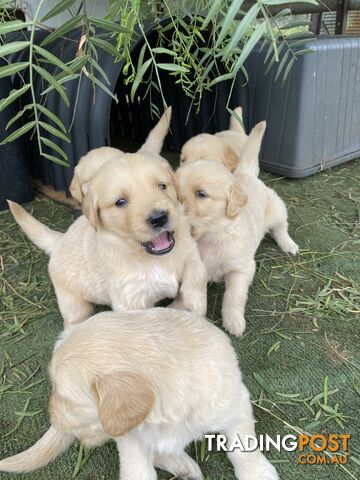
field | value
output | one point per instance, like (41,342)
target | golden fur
(90,163)
(230,213)
(102,258)
(154,381)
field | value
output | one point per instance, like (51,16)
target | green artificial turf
(302,336)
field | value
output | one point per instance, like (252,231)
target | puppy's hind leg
(236,291)
(247,465)
(136,462)
(181,465)
(73,307)
(277,224)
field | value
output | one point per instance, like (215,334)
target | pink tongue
(161,242)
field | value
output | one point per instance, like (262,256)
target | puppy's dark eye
(121,202)
(201,194)
(162,186)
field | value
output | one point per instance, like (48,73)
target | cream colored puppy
(153,381)
(226,146)
(230,214)
(132,248)
(90,163)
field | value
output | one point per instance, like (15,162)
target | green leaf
(139,76)
(18,115)
(60,6)
(12,68)
(163,50)
(7,27)
(55,159)
(54,131)
(229,18)
(53,59)
(51,115)
(103,87)
(282,64)
(62,30)
(221,78)
(62,80)
(250,44)
(287,70)
(213,12)
(108,25)
(242,28)
(171,67)
(51,144)
(53,82)
(13,95)
(101,71)
(20,131)
(104,45)
(13,47)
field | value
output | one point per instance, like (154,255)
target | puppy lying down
(152,380)
(230,213)
(132,248)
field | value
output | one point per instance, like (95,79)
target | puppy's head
(133,197)
(88,165)
(210,192)
(209,147)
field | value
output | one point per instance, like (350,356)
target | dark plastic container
(313,121)
(15,178)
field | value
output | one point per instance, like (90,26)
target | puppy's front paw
(261,469)
(234,324)
(291,247)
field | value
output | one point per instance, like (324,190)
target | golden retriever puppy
(154,381)
(226,146)
(230,214)
(90,163)
(132,248)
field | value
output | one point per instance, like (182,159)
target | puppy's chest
(145,287)
(214,254)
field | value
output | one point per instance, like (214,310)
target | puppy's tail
(40,234)
(156,137)
(250,154)
(52,444)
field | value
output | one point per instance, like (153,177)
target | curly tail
(52,444)
(40,234)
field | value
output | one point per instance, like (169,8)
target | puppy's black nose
(158,218)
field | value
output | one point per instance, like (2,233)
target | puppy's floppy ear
(75,188)
(175,183)
(124,400)
(231,160)
(236,200)
(91,209)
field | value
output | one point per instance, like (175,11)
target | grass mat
(302,334)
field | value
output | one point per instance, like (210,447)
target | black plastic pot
(95,120)
(15,178)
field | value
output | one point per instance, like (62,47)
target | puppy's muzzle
(158,219)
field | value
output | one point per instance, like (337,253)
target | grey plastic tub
(314,119)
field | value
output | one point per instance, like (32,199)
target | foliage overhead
(199,43)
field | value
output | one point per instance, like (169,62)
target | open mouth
(161,244)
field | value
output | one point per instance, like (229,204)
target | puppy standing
(154,392)
(230,214)
(131,249)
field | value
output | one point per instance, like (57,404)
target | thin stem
(31,74)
